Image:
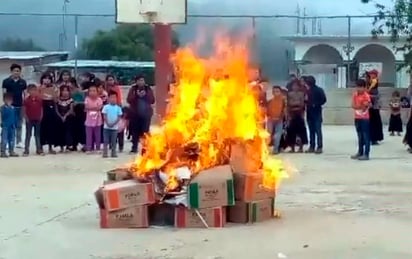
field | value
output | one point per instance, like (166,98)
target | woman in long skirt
(64,125)
(79,116)
(395,120)
(47,127)
(375,120)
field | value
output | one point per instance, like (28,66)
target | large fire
(211,109)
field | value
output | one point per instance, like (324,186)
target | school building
(336,61)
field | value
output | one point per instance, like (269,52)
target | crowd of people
(88,117)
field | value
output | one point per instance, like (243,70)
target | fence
(61,31)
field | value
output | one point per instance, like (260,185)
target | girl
(123,125)
(93,107)
(64,126)
(111,85)
(79,118)
(375,120)
(395,121)
(296,107)
(64,78)
(48,93)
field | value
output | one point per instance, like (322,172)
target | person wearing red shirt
(361,102)
(111,85)
(33,113)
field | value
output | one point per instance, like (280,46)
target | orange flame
(212,107)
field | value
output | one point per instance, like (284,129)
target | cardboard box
(244,158)
(124,194)
(251,212)
(188,218)
(212,188)
(133,217)
(248,187)
(119,174)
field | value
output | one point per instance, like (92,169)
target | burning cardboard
(248,187)
(132,217)
(203,218)
(212,188)
(252,212)
(124,194)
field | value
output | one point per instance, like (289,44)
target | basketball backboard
(151,11)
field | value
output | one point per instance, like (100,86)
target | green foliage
(395,20)
(17,44)
(125,42)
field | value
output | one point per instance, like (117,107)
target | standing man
(140,99)
(316,98)
(16,86)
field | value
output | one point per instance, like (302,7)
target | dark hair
(110,76)
(44,76)
(64,87)
(361,83)
(396,94)
(112,93)
(292,76)
(97,82)
(7,96)
(31,86)
(14,66)
(89,75)
(73,81)
(310,80)
(138,77)
(92,86)
(62,73)
(276,87)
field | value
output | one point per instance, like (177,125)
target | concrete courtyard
(334,208)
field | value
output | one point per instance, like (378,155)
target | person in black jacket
(315,99)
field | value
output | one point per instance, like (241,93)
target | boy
(33,113)
(8,126)
(112,114)
(361,102)
(276,111)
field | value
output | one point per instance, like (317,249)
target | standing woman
(64,78)
(296,132)
(79,115)
(48,93)
(64,125)
(375,120)
(111,85)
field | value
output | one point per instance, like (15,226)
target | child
(276,108)
(64,110)
(112,114)
(123,125)
(33,114)
(395,121)
(93,123)
(361,102)
(8,126)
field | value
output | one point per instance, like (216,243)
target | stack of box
(123,204)
(253,203)
(208,195)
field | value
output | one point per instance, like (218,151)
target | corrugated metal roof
(102,64)
(24,55)
(331,36)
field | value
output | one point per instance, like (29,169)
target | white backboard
(369,66)
(151,11)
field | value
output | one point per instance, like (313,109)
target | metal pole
(349,50)
(76,43)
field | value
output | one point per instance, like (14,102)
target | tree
(125,42)
(396,21)
(16,44)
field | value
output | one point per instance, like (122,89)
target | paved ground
(334,208)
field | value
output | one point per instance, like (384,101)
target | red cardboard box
(125,194)
(133,217)
(188,218)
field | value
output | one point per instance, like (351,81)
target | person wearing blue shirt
(112,114)
(8,126)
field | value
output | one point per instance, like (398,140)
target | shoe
(133,152)
(355,157)
(363,158)
(105,155)
(310,150)
(19,145)
(4,155)
(13,154)
(392,134)
(114,156)
(375,143)
(319,151)
(26,153)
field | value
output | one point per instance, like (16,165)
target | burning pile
(210,150)
(212,109)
